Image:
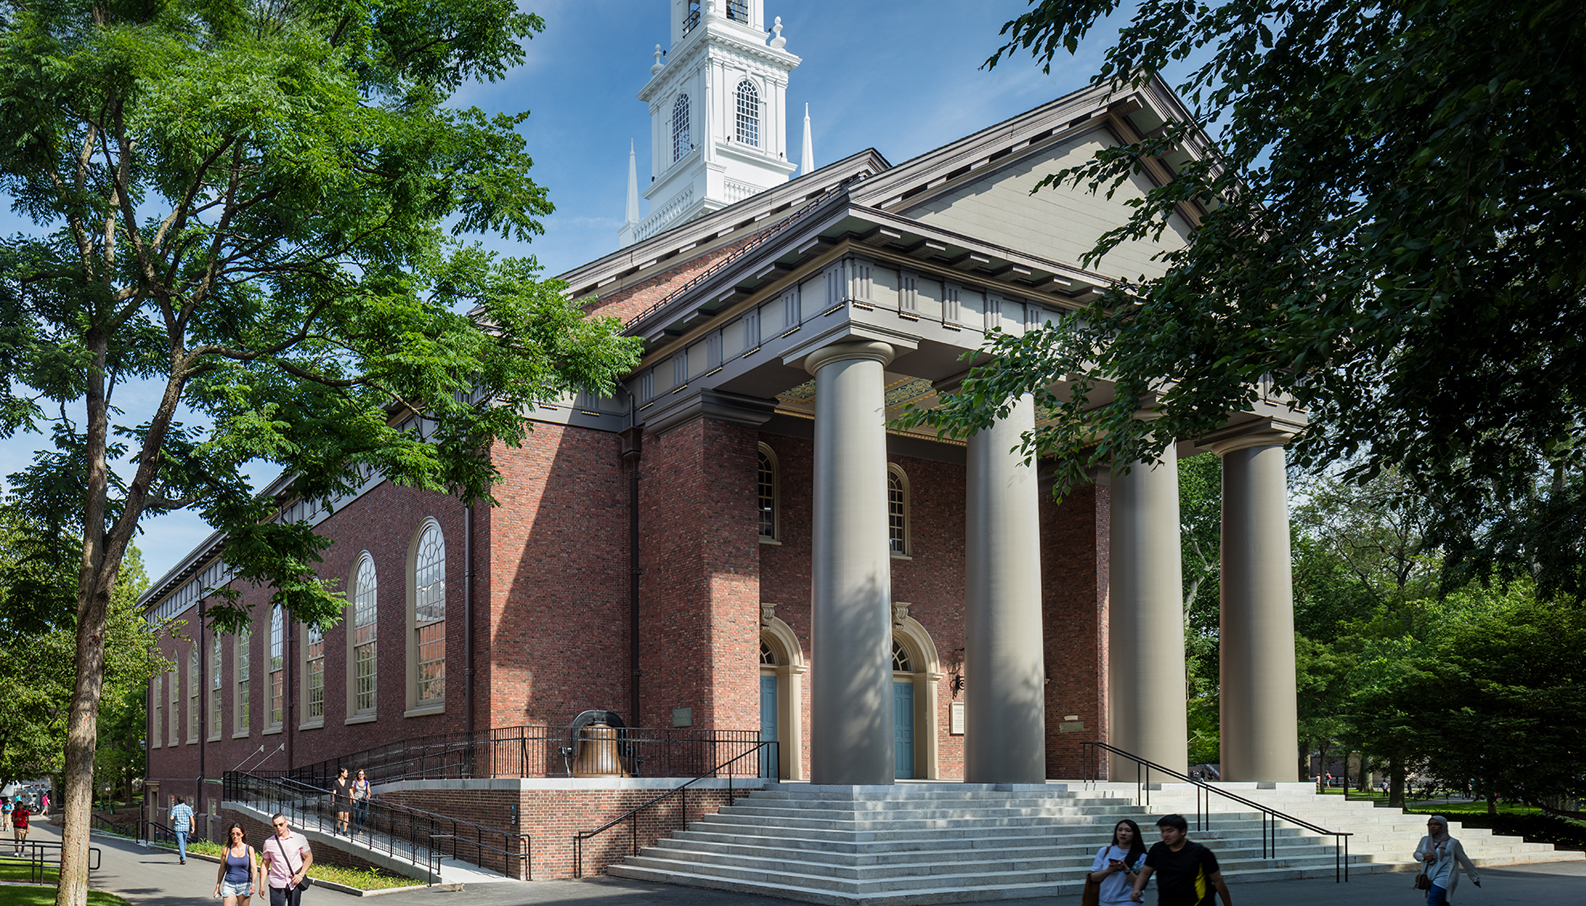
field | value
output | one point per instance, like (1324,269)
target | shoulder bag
(307,881)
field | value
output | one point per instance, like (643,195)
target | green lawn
(45,896)
(12,871)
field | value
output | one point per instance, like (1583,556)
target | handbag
(1092,893)
(1422,882)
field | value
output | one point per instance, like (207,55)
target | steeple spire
(807,161)
(633,187)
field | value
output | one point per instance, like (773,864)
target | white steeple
(717,112)
(807,159)
(631,221)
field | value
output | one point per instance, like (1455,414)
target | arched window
(767,495)
(680,141)
(897,511)
(748,114)
(244,717)
(313,675)
(214,686)
(364,637)
(277,667)
(900,658)
(767,656)
(195,681)
(428,654)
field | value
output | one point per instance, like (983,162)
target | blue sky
(901,77)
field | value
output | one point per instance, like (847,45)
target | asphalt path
(148,877)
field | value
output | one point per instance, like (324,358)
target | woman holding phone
(1116,863)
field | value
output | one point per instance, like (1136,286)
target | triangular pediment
(1061,223)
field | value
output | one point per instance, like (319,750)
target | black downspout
(631,451)
(203,716)
(287,675)
(468,620)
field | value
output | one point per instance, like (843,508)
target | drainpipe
(468,620)
(203,714)
(632,443)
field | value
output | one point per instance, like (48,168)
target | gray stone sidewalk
(149,877)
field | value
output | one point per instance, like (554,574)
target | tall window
(364,637)
(214,686)
(680,140)
(173,699)
(195,683)
(314,654)
(429,616)
(156,730)
(768,494)
(277,666)
(738,10)
(897,511)
(748,114)
(244,718)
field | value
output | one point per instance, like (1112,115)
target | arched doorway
(916,675)
(782,671)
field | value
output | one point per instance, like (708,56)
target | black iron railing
(413,835)
(656,820)
(157,834)
(105,825)
(39,856)
(1203,797)
(536,752)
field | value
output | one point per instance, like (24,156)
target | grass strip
(45,896)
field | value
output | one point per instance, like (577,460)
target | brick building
(739,540)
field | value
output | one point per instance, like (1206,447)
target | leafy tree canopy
(253,209)
(1393,233)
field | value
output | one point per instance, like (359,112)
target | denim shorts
(228,889)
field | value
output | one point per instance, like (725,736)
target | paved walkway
(153,878)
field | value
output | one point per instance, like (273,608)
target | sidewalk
(153,878)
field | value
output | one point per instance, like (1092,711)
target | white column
(1005,698)
(1259,736)
(1145,622)
(851,723)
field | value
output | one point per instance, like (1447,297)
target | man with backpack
(1188,871)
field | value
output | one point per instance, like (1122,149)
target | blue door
(903,728)
(767,722)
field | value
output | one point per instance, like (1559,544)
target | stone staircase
(920,843)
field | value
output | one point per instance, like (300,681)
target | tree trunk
(1365,772)
(82,730)
(1492,803)
(1395,783)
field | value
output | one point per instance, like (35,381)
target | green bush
(1535,828)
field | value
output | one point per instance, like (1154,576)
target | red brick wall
(1074,546)
(555,641)
(700,588)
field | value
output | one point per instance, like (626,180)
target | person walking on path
(1441,855)
(360,797)
(19,823)
(237,879)
(1189,871)
(286,861)
(181,826)
(44,804)
(1115,862)
(5,813)
(341,800)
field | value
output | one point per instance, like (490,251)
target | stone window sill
(362,719)
(425,710)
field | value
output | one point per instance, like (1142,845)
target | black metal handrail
(105,825)
(1203,793)
(418,836)
(531,752)
(771,767)
(36,855)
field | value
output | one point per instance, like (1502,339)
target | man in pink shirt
(286,861)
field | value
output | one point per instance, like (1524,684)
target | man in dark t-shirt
(1187,872)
